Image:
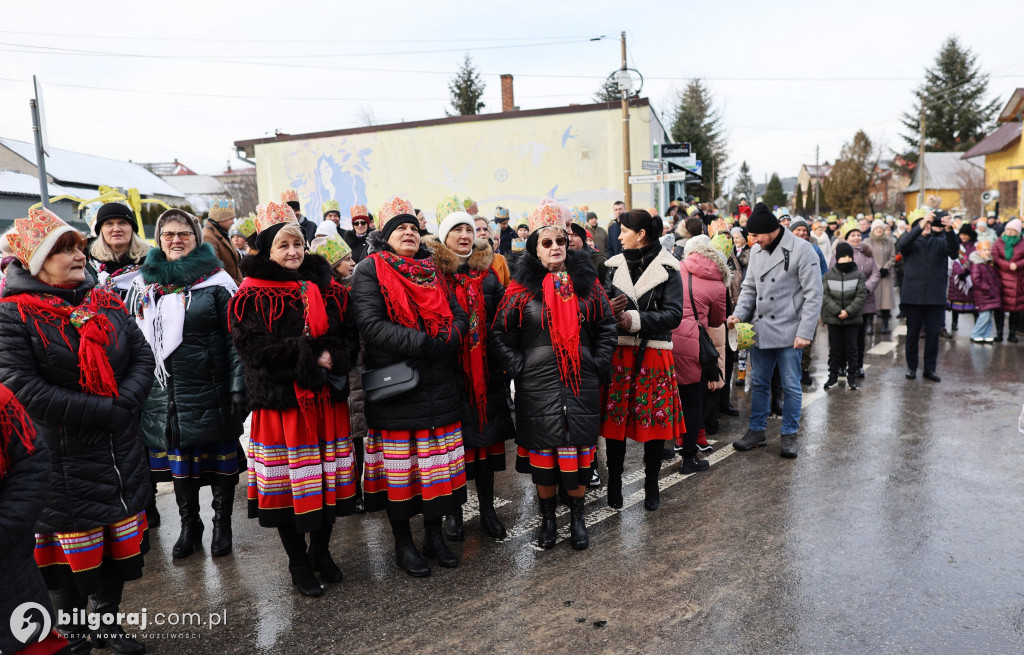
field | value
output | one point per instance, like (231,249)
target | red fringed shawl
(95,332)
(469,291)
(13,421)
(412,293)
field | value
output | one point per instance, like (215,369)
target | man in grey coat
(781,296)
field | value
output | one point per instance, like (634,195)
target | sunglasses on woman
(547,243)
(359,223)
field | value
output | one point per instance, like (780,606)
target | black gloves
(436,350)
(883,272)
(239,406)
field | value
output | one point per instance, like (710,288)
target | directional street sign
(655,165)
(658,179)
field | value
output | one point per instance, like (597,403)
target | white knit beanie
(450,221)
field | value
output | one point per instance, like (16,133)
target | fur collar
(447,261)
(375,243)
(655,274)
(182,272)
(530,272)
(715,257)
(314,269)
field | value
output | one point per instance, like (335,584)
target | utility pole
(37,129)
(814,179)
(920,159)
(625,130)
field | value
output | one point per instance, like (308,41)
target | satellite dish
(989,197)
(629,81)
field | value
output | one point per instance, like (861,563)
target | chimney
(507,101)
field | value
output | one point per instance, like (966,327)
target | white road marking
(899,331)
(882,348)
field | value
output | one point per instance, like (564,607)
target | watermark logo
(30,622)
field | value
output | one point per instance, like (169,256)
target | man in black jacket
(614,247)
(506,234)
(926,249)
(308,226)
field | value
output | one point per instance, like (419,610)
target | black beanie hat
(294,204)
(115,210)
(843,249)
(395,221)
(969,231)
(762,220)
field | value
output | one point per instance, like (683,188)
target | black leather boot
(652,467)
(152,514)
(434,546)
(453,527)
(107,600)
(223,503)
(548,532)
(406,555)
(299,566)
(191,536)
(489,520)
(616,460)
(578,536)
(320,555)
(77,633)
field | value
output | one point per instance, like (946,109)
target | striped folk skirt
(645,408)
(566,465)
(113,551)
(486,459)
(408,472)
(215,464)
(301,476)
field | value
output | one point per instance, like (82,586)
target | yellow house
(510,158)
(946,176)
(1004,159)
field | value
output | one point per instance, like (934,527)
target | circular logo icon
(501,175)
(26,626)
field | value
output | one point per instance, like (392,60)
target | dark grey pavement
(899,529)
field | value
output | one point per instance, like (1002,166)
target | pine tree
(954,95)
(847,189)
(774,195)
(699,122)
(798,203)
(744,187)
(609,92)
(466,88)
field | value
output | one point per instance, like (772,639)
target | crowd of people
(385,367)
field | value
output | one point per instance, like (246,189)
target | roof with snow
(73,168)
(13,183)
(196,184)
(944,170)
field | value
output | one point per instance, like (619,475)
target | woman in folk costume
(193,417)
(414,452)
(117,252)
(289,326)
(465,264)
(642,401)
(554,333)
(80,366)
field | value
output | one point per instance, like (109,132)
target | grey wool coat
(781,293)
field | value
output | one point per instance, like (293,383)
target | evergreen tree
(609,92)
(798,203)
(699,122)
(466,88)
(774,195)
(954,95)
(847,190)
(744,187)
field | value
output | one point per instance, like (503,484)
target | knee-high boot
(223,503)
(320,555)
(75,606)
(189,540)
(548,532)
(1011,329)
(489,520)
(616,461)
(299,566)
(578,535)
(152,514)
(107,601)
(434,545)
(652,467)
(406,555)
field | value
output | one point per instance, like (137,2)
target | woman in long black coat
(80,366)
(554,333)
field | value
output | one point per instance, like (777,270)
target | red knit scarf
(13,421)
(270,299)
(469,291)
(411,292)
(95,332)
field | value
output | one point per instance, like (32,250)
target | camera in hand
(937,219)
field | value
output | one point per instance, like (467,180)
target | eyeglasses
(547,243)
(358,223)
(169,236)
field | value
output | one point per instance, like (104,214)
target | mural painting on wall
(326,169)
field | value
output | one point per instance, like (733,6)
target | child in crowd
(984,292)
(842,307)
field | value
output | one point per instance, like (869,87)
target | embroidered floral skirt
(566,465)
(647,408)
(210,464)
(486,459)
(408,472)
(301,475)
(113,551)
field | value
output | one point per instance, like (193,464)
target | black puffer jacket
(654,290)
(357,244)
(23,491)
(91,486)
(499,416)
(548,414)
(436,402)
(926,265)
(204,370)
(277,356)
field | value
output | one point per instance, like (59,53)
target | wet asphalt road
(897,530)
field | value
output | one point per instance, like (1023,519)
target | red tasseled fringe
(13,420)
(468,288)
(269,303)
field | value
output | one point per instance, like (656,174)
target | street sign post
(658,179)
(655,165)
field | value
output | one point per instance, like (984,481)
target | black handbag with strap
(391,380)
(707,353)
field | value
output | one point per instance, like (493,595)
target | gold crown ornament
(290,195)
(330,206)
(33,238)
(546,216)
(395,207)
(448,205)
(358,211)
(333,249)
(272,213)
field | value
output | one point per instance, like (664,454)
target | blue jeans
(984,327)
(764,362)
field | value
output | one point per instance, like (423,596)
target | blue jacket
(614,247)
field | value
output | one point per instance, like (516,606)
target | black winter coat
(548,413)
(437,401)
(357,244)
(91,486)
(204,370)
(926,266)
(499,416)
(23,493)
(655,296)
(278,356)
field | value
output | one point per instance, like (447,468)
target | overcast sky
(186,79)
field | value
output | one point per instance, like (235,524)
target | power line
(219,39)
